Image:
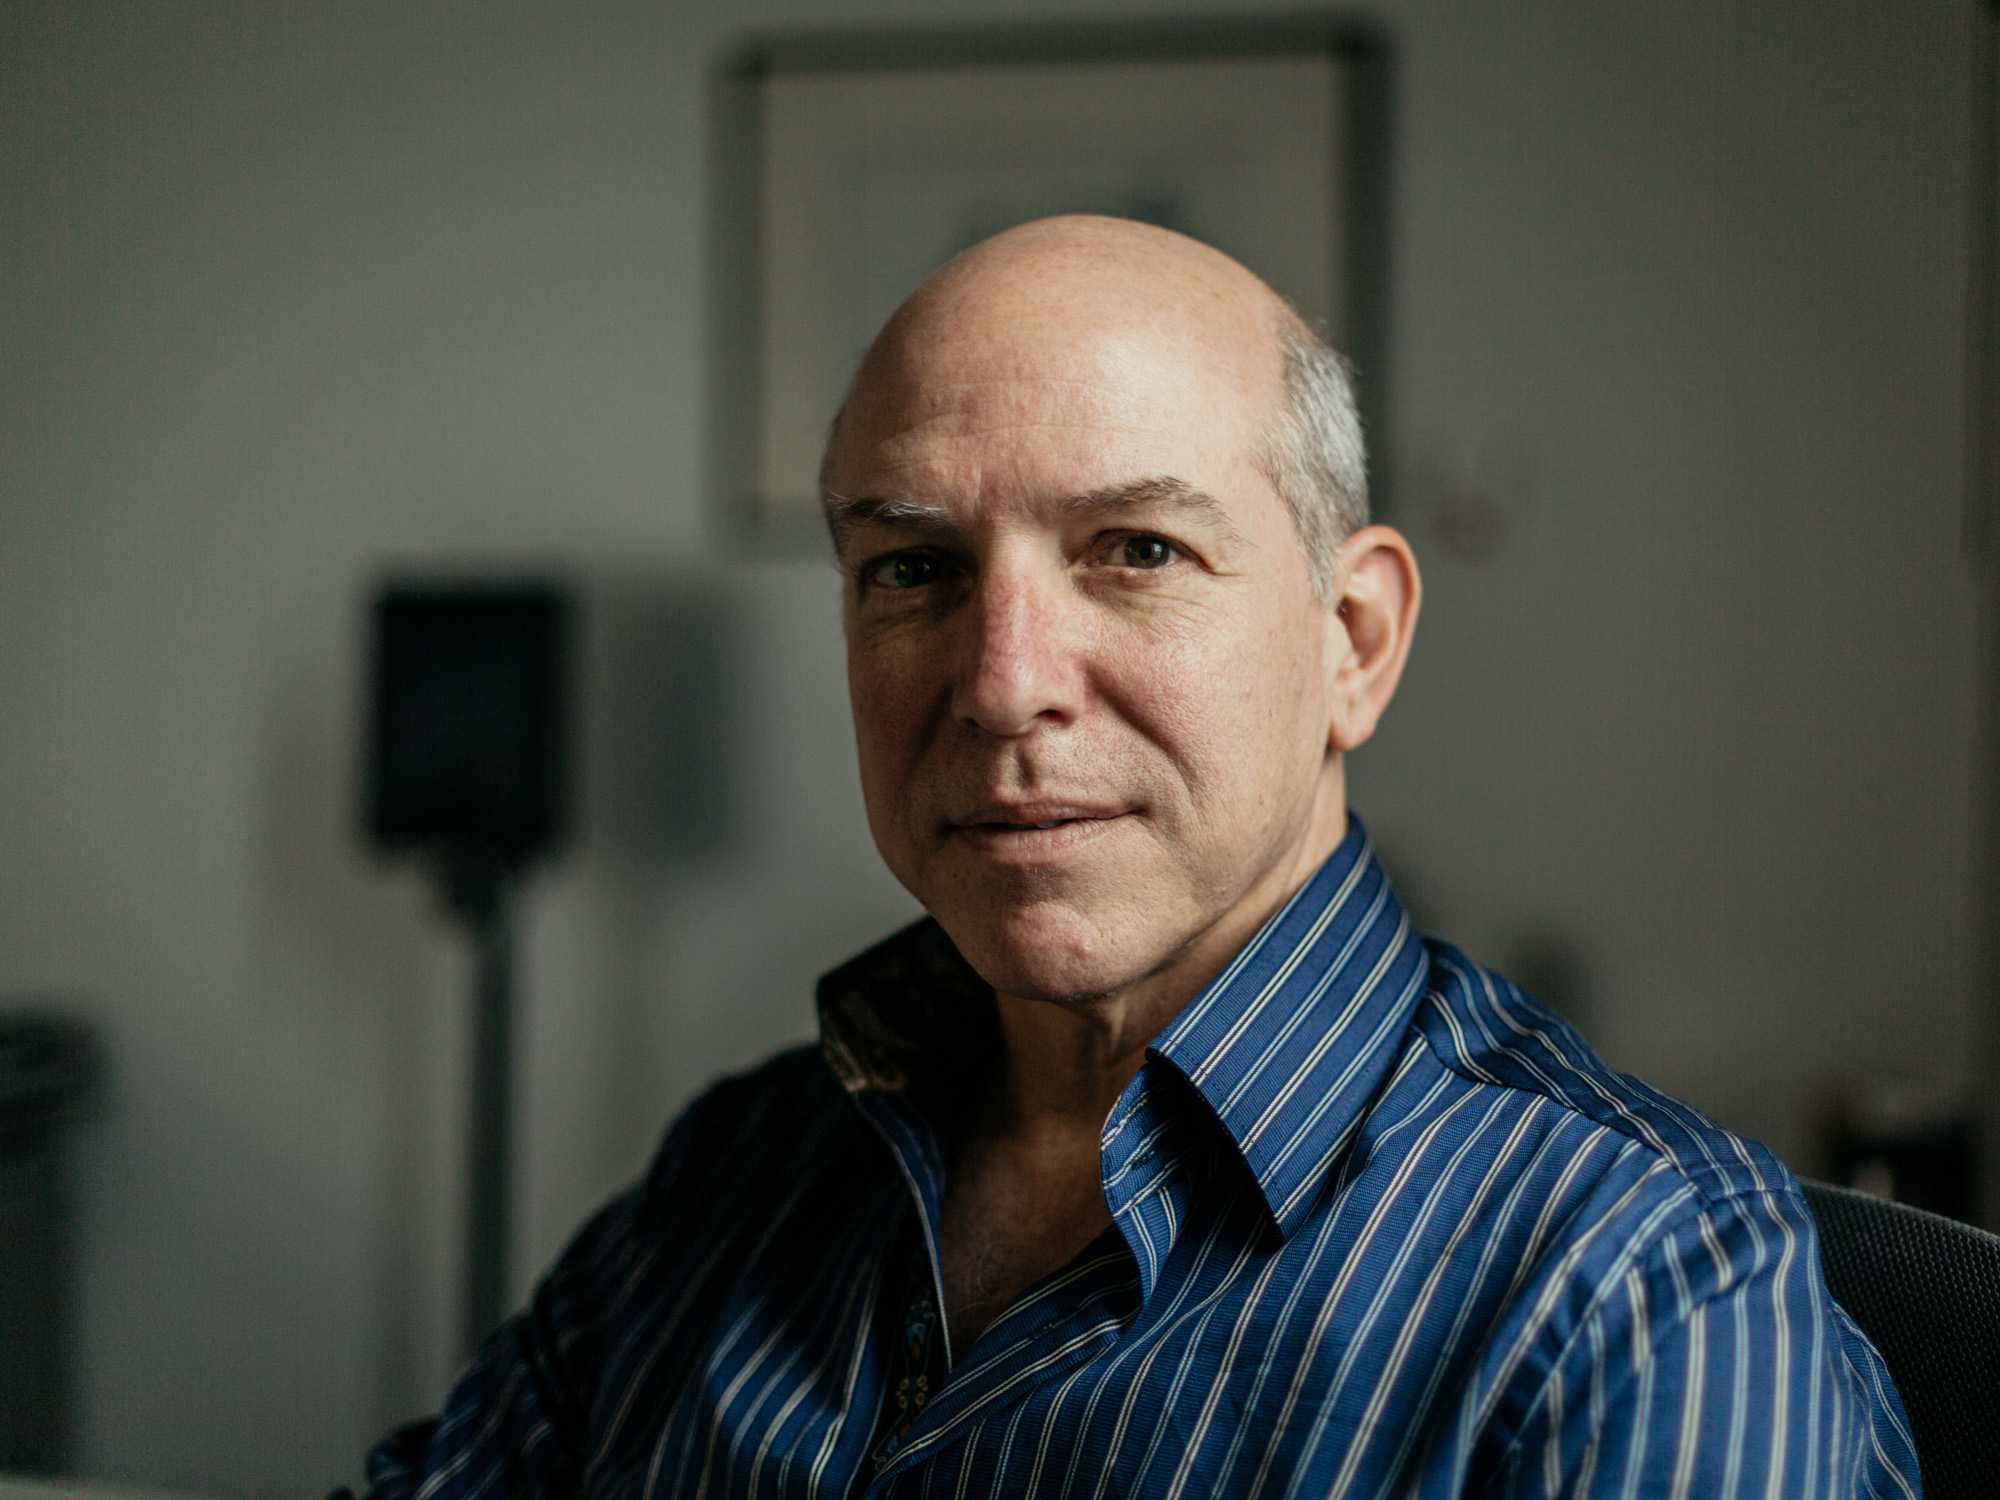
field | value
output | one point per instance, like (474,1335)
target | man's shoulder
(1621,1225)
(792,1081)
(1490,1032)
(771,1110)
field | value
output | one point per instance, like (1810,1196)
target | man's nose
(1022,666)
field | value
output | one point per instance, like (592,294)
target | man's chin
(1050,950)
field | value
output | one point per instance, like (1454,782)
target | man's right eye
(903,570)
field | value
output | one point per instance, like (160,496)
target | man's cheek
(884,707)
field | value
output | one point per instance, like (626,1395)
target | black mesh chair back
(1926,1291)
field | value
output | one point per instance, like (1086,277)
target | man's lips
(1034,817)
(1034,830)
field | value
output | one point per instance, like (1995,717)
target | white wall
(288,295)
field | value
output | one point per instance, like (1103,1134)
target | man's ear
(1377,595)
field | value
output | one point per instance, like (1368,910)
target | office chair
(1926,1291)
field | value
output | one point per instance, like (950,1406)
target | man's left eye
(1142,552)
(903,570)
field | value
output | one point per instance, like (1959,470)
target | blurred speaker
(467,735)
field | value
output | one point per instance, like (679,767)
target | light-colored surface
(290,292)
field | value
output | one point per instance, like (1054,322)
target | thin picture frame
(845,164)
(1982,371)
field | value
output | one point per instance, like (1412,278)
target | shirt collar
(1290,1042)
(1286,1046)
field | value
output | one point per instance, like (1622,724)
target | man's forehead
(996,471)
(1034,367)
(941,400)
(1114,408)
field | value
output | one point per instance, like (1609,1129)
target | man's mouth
(1039,828)
(1035,815)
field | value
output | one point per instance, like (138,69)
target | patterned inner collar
(905,1013)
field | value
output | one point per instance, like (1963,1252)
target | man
(1164,1159)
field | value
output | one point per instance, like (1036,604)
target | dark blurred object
(467,756)
(47,1068)
(466,734)
(1903,1139)
(1926,1291)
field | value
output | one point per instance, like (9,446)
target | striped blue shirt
(1382,1225)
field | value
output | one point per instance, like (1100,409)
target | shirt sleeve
(1717,1365)
(516,1420)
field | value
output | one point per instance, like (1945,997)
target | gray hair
(1313,453)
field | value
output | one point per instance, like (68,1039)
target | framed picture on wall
(848,166)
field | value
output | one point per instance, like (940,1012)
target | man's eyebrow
(844,512)
(1162,491)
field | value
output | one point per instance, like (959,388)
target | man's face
(1088,671)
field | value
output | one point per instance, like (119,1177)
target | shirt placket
(1053,1329)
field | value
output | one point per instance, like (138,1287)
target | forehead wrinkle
(914,445)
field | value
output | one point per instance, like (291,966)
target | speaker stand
(478,891)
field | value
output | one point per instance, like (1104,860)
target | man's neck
(1024,1193)
(1065,1066)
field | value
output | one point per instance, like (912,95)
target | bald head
(1100,308)
(1082,284)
